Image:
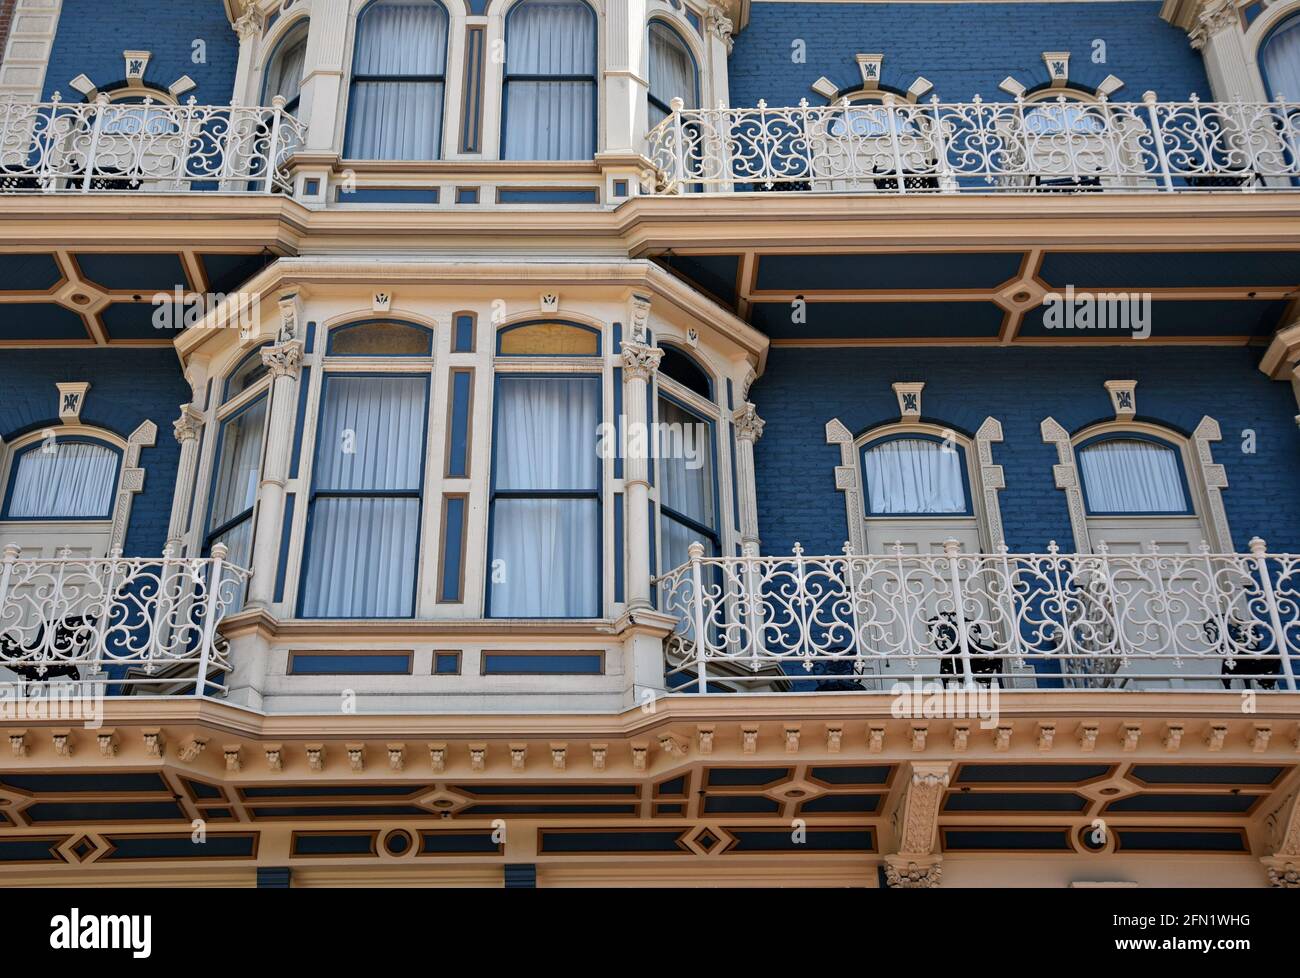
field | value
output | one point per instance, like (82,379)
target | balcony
(128,625)
(979,147)
(102,146)
(1018,621)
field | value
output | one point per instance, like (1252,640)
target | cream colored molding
(847,482)
(1214,479)
(992,480)
(916,864)
(1066,474)
(31,39)
(130,482)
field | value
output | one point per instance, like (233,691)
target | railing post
(211,602)
(952,550)
(51,130)
(106,617)
(11,554)
(696,551)
(1258,550)
(852,583)
(183,169)
(1157,134)
(273,144)
(891,114)
(947,182)
(679,145)
(97,127)
(753,603)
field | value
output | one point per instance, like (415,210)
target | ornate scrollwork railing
(134,624)
(102,146)
(977,146)
(1041,621)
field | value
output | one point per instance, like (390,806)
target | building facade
(650,442)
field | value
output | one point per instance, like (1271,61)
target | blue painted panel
(286,533)
(1171,269)
(134,321)
(28,273)
(800,273)
(716,274)
(226,273)
(446,663)
(1168,317)
(458,456)
(845,320)
(578,195)
(573,664)
(453,550)
(388,195)
(300,422)
(41,321)
(134,273)
(341,664)
(462,340)
(620,558)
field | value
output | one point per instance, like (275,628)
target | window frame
(226,413)
(594,371)
(963,460)
(594,78)
(1125,435)
(354,77)
(695,64)
(34,444)
(682,396)
(288,35)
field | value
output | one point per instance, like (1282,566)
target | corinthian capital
(749,426)
(720,25)
(188,425)
(248,25)
(1215,16)
(640,361)
(284,359)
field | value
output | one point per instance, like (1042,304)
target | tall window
(363,521)
(284,73)
(672,72)
(550,81)
(1129,476)
(687,501)
(63,479)
(398,75)
(1279,60)
(914,476)
(545,520)
(234,488)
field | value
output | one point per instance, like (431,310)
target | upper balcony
(144,147)
(979,147)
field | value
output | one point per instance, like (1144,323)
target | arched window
(398,76)
(1279,60)
(914,476)
(1128,475)
(363,511)
(1061,114)
(237,469)
(70,478)
(685,457)
(284,72)
(542,339)
(672,72)
(549,84)
(683,368)
(869,115)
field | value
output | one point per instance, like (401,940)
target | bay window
(672,73)
(241,432)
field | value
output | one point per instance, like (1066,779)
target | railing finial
(1257,547)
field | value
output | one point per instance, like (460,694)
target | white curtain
(550,119)
(1131,476)
(75,481)
(545,551)
(1280,60)
(672,71)
(685,484)
(913,476)
(361,556)
(398,120)
(285,77)
(239,468)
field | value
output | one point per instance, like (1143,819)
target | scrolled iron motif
(1050,619)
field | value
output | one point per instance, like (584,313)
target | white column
(249,29)
(187,428)
(639,364)
(323,73)
(626,83)
(1218,36)
(749,428)
(284,360)
(719,40)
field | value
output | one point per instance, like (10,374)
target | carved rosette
(913,876)
(640,361)
(749,426)
(1284,876)
(283,360)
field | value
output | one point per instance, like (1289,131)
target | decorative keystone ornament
(137,62)
(909,399)
(549,302)
(382,302)
(869,65)
(72,397)
(1058,67)
(1123,398)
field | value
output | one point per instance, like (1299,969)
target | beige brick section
(31,38)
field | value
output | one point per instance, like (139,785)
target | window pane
(1280,60)
(551,37)
(550,120)
(546,433)
(545,558)
(549,339)
(381,339)
(395,120)
(685,458)
(239,541)
(402,38)
(371,434)
(285,77)
(74,481)
(913,476)
(1132,476)
(672,70)
(362,558)
(250,370)
(675,538)
(239,464)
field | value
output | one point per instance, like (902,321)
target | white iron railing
(979,146)
(57,147)
(132,624)
(1035,621)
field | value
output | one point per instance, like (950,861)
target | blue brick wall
(803,389)
(93,34)
(126,387)
(962,48)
